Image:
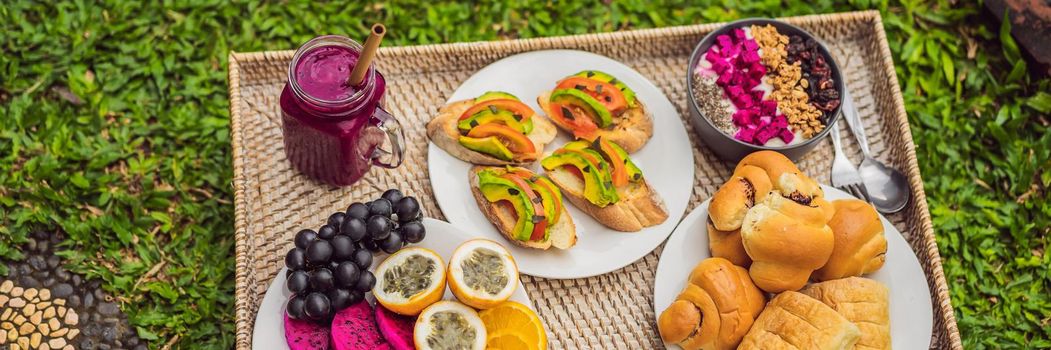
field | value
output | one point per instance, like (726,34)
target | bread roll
(727,245)
(784,175)
(798,322)
(787,241)
(864,302)
(860,247)
(746,186)
(715,310)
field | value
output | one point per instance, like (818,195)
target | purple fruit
(355,328)
(395,328)
(306,335)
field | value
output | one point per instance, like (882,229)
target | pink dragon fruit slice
(765,134)
(745,134)
(306,335)
(723,41)
(396,329)
(786,135)
(355,328)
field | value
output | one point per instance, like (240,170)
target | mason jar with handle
(334,132)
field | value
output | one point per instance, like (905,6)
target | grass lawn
(115,130)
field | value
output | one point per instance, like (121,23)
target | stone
(29,309)
(3,337)
(26,329)
(7,314)
(73,301)
(31,293)
(89,300)
(17,303)
(12,335)
(60,301)
(34,341)
(108,309)
(23,342)
(49,312)
(72,333)
(71,319)
(37,262)
(61,311)
(56,343)
(44,346)
(53,323)
(4,299)
(43,305)
(44,329)
(53,261)
(7,286)
(45,294)
(7,325)
(68,347)
(36,317)
(59,332)
(17,291)
(62,290)
(19,319)
(16,347)
(30,282)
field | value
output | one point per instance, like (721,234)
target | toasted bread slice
(443,132)
(631,129)
(639,205)
(562,235)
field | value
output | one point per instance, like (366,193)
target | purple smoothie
(331,130)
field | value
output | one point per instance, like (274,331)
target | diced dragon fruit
(786,135)
(739,34)
(768,107)
(723,41)
(745,135)
(765,134)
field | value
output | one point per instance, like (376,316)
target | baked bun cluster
(771,226)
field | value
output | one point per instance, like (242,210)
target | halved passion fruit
(410,280)
(482,273)
(448,325)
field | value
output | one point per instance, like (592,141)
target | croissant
(862,301)
(860,247)
(715,310)
(787,241)
(798,322)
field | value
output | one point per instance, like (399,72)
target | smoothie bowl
(760,84)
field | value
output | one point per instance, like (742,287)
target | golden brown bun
(746,186)
(563,235)
(860,247)
(631,130)
(784,175)
(639,205)
(864,302)
(787,241)
(721,305)
(798,322)
(727,245)
(443,132)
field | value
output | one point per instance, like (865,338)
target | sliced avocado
(488,145)
(495,95)
(547,200)
(598,188)
(496,189)
(629,95)
(505,117)
(603,117)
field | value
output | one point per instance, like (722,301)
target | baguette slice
(631,130)
(639,205)
(563,234)
(443,132)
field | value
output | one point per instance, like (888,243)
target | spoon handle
(850,113)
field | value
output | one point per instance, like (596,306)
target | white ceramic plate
(666,162)
(269,332)
(911,312)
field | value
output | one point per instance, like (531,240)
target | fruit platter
(348,288)
(620,190)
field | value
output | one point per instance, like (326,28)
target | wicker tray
(614,310)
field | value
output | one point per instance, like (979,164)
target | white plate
(911,313)
(269,332)
(666,162)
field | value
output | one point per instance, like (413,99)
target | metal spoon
(888,188)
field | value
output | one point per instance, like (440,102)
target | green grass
(115,130)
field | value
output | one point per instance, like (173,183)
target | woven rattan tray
(614,310)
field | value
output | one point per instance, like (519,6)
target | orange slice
(482,273)
(410,280)
(513,320)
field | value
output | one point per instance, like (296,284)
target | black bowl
(726,146)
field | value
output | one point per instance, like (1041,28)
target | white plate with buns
(911,312)
(666,161)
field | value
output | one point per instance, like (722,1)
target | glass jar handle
(390,126)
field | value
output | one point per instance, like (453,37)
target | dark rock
(48,282)
(77,280)
(43,246)
(29,282)
(62,290)
(41,235)
(61,274)
(37,262)
(131,341)
(42,274)
(99,294)
(141,347)
(88,344)
(53,261)
(31,245)
(109,334)
(23,269)
(73,301)
(108,309)
(89,300)
(91,331)
(104,346)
